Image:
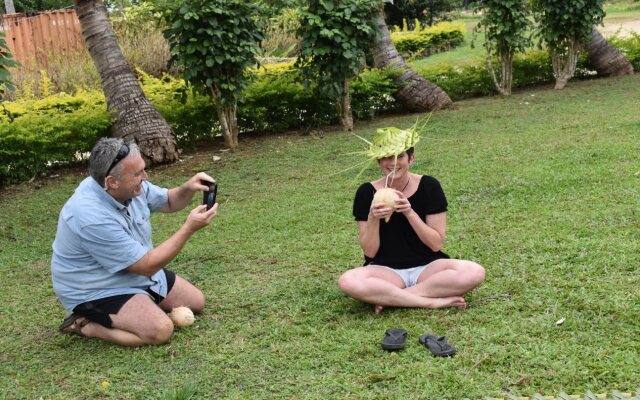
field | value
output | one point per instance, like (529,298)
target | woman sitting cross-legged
(402,237)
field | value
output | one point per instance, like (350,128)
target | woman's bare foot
(378,309)
(443,302)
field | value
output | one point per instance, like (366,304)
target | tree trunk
(506,72)
(344,108)
(605,58)
(564,65)
(227,118)
(135,117)
(417,93)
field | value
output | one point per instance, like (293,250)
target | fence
(34,37)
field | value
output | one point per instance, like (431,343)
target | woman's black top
(400,246)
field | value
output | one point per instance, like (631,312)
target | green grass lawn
(542,191)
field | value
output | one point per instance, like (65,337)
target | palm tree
(135,117)
(416,93)
(605,58)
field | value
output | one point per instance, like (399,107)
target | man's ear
(110,182)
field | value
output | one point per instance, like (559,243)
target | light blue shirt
(98,238)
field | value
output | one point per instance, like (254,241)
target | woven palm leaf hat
(391,142)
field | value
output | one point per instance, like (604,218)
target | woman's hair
(409,151)
(102,156)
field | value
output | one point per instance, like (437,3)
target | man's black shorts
(99,310)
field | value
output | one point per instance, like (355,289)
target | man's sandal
(73,324)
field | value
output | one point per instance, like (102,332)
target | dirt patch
(622,29)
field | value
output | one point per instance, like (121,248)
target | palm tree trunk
(135,117)
(605,58)
(417,93)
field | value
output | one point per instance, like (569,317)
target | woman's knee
(474,272)
(349,282)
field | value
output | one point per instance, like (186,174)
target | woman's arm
(370,229)
(431,231)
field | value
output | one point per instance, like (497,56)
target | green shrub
(48,132)
(35,134)
(371,93)
(443,36)
(630,47)
(191,114)
(529,69)
(460,82)
(276,101)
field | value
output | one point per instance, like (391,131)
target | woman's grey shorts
(410,275)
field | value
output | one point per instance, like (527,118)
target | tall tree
(216,41)
(606,58)
(565,28)
(135,117)
(332,52)
(505,24)
(416,93)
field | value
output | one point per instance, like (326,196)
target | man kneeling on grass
(105,270)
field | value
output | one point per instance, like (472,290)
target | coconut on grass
(182,316)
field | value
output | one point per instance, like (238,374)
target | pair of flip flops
(395,339)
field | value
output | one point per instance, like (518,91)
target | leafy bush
(630,47)
(42,133)
(276,101)
(460,82)
(442,36)
(279,34)
(371,93)
(190,113)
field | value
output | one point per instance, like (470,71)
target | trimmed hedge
(36,134)
(442,36)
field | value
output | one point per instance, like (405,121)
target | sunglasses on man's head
(122,153)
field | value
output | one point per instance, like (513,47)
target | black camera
(209,197)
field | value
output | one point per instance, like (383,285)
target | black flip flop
(394,339)
(437,345)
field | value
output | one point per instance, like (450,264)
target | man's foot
(378,309)
(73,324)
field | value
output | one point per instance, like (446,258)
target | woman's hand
(403,205)
(380,211)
